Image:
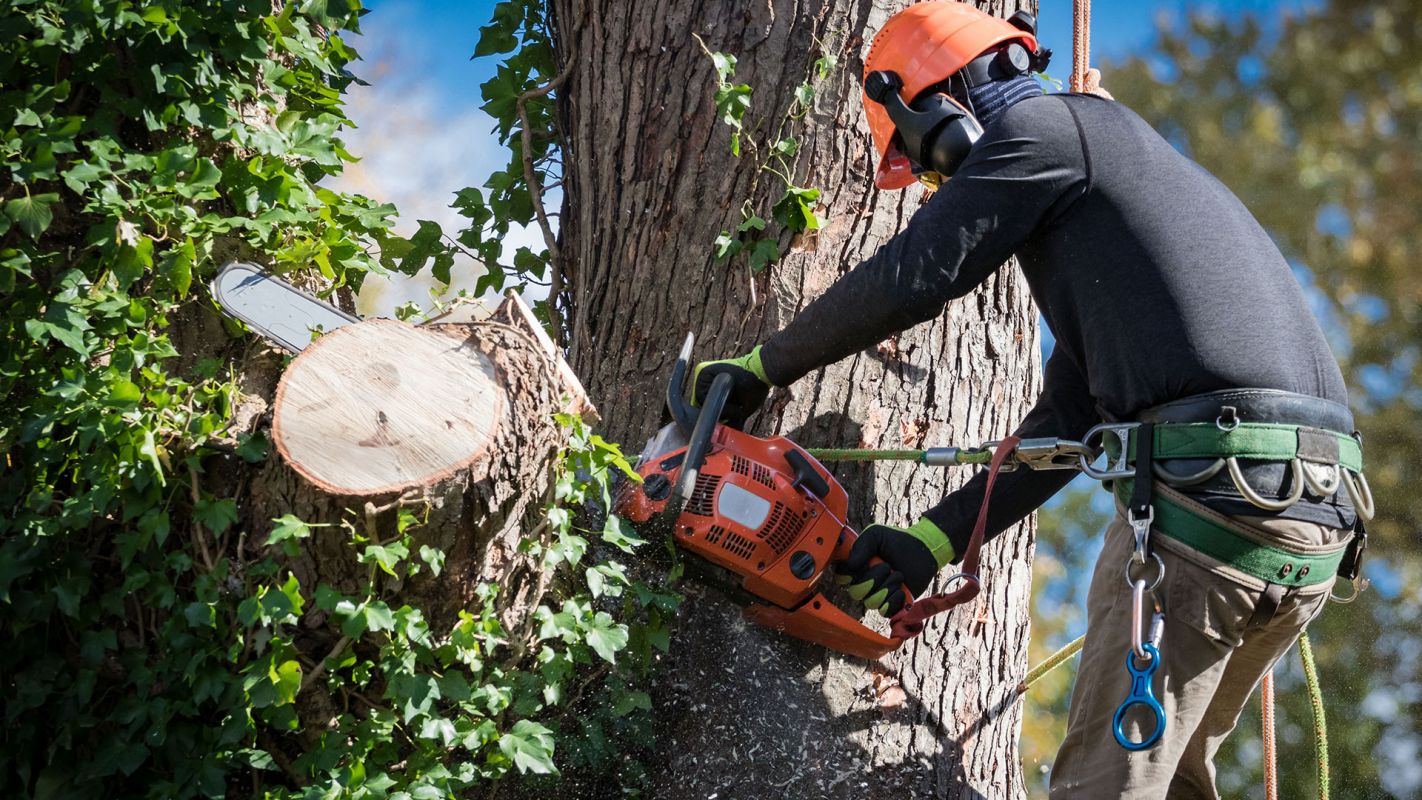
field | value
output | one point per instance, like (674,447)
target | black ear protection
(937,131)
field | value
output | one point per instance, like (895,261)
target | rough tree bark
(649,183)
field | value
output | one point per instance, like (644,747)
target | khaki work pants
(1214,651)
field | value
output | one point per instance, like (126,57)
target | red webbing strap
(908,623)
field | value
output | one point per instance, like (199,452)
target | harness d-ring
(1141,695)
(1172,479)
(1358,584)
(1359,492)
(1259,500)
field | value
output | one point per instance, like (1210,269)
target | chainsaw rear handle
(847,538)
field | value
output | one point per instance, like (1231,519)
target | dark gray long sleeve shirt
(1155,280)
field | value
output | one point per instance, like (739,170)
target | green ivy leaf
(765,253)
(286,677)
(606,636)
(529,746)
(434,557)
(214,514)
(726,246)
(33,213)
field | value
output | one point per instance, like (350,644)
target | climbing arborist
(1170,306)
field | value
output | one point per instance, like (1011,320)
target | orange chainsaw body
(769,513)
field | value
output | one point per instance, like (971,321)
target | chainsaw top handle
(703,421)
(684,413)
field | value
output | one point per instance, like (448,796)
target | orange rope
(1080,44)
(1266,703)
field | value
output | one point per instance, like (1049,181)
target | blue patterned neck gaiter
(993,98)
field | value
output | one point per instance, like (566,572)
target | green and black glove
(749,386)
(911,557)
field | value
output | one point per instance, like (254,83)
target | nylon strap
(1265,441)
(1142,490)
(1270,564)
(909,622)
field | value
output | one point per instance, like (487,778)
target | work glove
(911,557)
(749,386)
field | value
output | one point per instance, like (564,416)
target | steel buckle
(1117,467)
(1052,453)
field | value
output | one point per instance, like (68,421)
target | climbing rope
(1320,723)
(1050,663)
(1080,44)
(1266,716)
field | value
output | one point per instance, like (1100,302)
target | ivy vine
(159,645)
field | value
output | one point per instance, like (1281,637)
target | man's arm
(1065,409)
(1019,176)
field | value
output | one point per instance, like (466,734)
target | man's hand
(911,557)
(749,386)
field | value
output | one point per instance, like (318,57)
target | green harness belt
(1254,440)
(1269,564)
(1261,441)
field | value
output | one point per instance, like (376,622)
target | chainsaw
(763,512)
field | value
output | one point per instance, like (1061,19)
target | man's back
(1153,276)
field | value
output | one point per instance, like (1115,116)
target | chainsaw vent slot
(703,495)
(756,472)
(714,535)
(738,545)
(781,530)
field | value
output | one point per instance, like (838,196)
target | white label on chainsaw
(742,507)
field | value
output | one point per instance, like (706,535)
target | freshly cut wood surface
(382,406)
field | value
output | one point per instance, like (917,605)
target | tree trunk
(649,183)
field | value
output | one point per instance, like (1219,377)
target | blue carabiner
(1141,695)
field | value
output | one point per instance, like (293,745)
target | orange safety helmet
(925,44)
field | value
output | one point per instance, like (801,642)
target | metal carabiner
(1138,591)
(1142,695)
(1051,453)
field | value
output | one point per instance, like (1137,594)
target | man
(1169,305)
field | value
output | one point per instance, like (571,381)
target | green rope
(864,454)
(1320,724)
(1050,663)
(979,456)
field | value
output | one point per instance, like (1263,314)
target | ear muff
(936,131)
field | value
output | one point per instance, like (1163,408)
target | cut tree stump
(454,422)
(383,407)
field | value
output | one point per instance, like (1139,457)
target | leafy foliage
(158,642)
(520,33)
(797,207)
